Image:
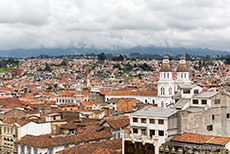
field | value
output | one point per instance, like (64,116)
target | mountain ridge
(24,53)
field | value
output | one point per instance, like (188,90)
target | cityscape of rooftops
(114,77)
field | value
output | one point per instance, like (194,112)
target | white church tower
(165,84)
(182,74)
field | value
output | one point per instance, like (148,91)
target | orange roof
(198,138)
(132,93)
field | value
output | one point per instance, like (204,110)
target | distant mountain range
(23,53)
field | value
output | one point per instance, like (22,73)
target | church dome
(166,57)
(165,67)
(182,58)
(182,68)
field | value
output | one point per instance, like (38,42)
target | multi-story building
(149,129)
(194,111)
(11,130)
(70,96)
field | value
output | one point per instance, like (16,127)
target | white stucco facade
(33,128)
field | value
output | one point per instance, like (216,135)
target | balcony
(140,138)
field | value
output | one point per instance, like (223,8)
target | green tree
(228,60)
(48,68)
(101,57)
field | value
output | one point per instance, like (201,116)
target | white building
(12,130)
(151,125)
(182,74)
(50,144)
(167,86)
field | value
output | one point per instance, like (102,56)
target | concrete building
(206,113)
(149,127)
(11,130)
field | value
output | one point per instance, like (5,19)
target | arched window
(153,101)
(184,75)
(162,104)
(164,75)
(162,90)
(168,75)
(170,91)
(181,75)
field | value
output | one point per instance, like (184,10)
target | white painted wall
(33,128)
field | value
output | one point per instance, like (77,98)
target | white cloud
(114,23)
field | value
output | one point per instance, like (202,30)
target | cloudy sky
(114,23)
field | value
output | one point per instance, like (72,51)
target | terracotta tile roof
(69,125)
(44,141)
(12,103)
(132,93)
(85,103)
(106,151)
(67,93)
(68,105)
(198,138)
(12,121)
(102,147)
(118,122)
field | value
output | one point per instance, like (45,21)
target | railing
(140,138)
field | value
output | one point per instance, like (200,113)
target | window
(203,102)
(209,128)
(50,150)
(28,150)
(168,75)
(143,131)
(146,102)
(164,75)
(22,149)
(135,130)
(143,120)
(135,120)
(213,117)
(217,101)
(170,91)
(153,101)
(181,75)
(152,121)
(160,121)
(162,91)
(184,75)
(152,132)
(35,151)
(227,115)
(196,91)
(195,101)
(186,91)
(161,133)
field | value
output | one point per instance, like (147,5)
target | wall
(13,114)
(33,128)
